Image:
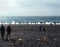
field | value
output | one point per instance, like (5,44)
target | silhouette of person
(44,29)
(2,31)
(8,31)
(40,28)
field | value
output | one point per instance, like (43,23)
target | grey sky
(29,7)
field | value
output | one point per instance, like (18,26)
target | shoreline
(31,23)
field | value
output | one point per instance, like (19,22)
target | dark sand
(30,36)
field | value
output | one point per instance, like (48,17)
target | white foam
(29,23)
(13,22)
(21,23)
(57,23)
(38,23)
(48,23)
(32,23)
(16,23)
(25,23)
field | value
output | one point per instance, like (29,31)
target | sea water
(27,19)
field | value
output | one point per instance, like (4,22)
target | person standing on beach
(44,29)
(8,31)
(2,29)
(40,28)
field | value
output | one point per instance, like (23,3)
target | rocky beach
(28,35)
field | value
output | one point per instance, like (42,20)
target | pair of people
(42,28)
(2,29)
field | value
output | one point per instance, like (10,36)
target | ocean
(26,19)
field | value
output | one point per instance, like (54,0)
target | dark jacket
(2,29)
(8,29)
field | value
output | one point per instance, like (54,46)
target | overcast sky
(29,7)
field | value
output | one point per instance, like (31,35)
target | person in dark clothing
(2,31)
(44,29)
(40,28)
(8,31)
